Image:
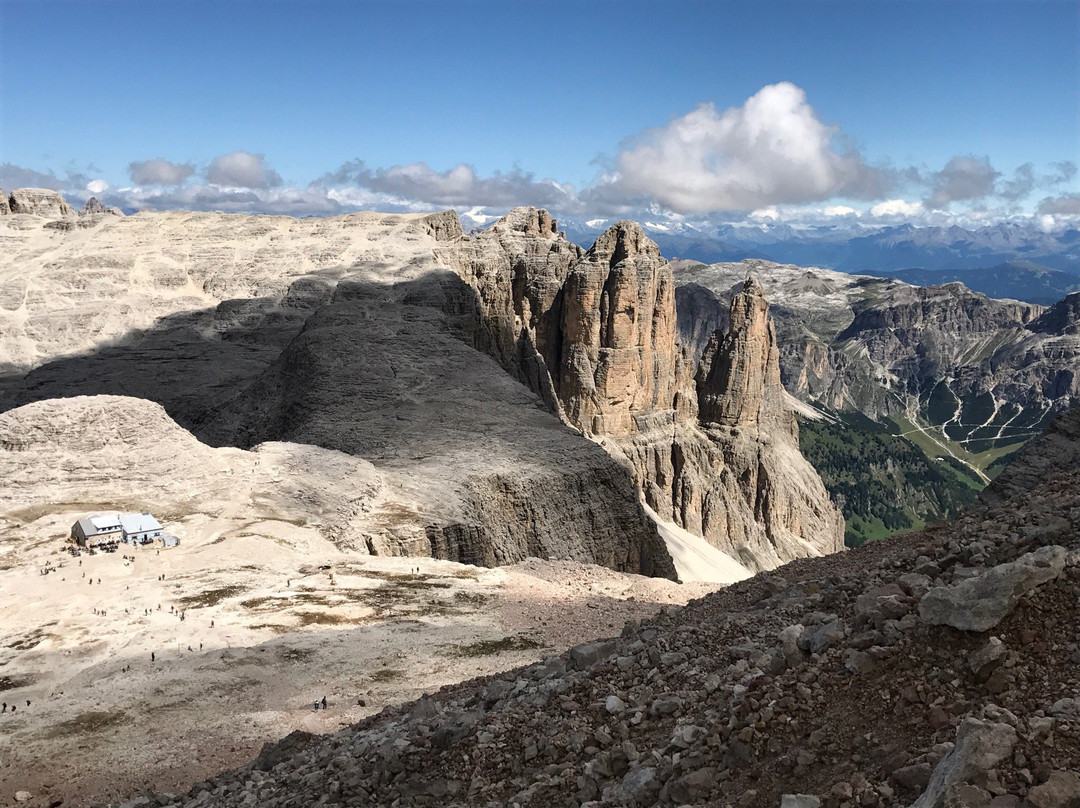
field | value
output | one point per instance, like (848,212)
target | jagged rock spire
(739,378)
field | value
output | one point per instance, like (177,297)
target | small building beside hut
(140,528)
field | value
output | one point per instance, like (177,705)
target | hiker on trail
(5,708)
(211,624)
(316,706)
(152,656)
(324,702)
(200,646)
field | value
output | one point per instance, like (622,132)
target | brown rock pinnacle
(739,379)
(618,334)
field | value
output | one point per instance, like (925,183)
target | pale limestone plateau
(375,336)
(174,664)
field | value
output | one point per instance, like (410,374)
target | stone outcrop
(40,202)
(980,746)
(379,373)
(253,331)
(617,347)
(93,207)
(5,204)
(594,334)
(243,328)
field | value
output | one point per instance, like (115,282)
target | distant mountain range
(1017,254)
(1019,280)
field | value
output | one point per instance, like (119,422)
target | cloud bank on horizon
(770,159)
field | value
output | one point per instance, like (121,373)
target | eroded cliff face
(594,333)
(738,383)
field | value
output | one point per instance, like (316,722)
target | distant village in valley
(107,530)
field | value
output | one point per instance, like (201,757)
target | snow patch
(695,559)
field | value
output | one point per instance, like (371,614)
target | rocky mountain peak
(739,378)
(624,240)
(528,221)
(1061,318)
(619,355)
(39,202)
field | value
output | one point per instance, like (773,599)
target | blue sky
(907,107)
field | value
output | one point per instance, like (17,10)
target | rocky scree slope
(594,333)
(937,669)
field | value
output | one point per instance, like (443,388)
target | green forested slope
(884,483)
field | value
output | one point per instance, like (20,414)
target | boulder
(980,746)
(984,660)
(980,603)
(588,654)
(1061,790)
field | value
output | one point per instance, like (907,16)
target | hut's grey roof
(139,522)
(105,521)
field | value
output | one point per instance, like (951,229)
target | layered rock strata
(347,333)
(341,333)
(984,373)
(39,202)
(594,333)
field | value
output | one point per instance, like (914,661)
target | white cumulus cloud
(159,172)
(241,169)
(773,149)
(896,208)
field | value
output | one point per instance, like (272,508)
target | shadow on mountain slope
(381,371)
(188,362)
